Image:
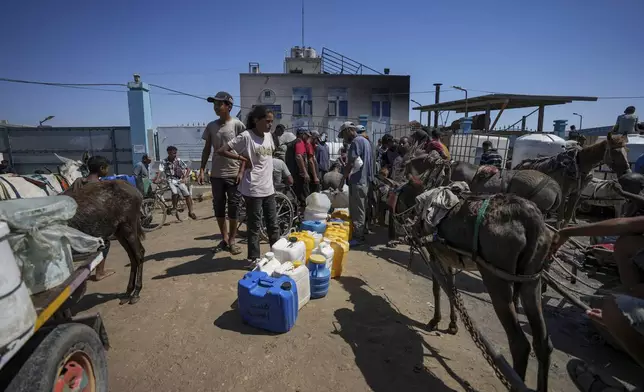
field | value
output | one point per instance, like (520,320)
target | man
(359,177)
(397,172)
(627,123)
(333,179)
(142,174)
(312,164)
(299,161)
(322,155)
(390,152)
(176,173)
(491,156)
(281,175)
(5,167)
(435,144)
(225,173)
(281,139)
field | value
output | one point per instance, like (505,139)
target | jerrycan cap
(317,259)
(269,255)
(292,239)
(286,286)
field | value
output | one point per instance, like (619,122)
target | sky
(570,47)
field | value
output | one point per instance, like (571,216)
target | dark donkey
(573,169)
(529,184)
(113,208)
(474,230)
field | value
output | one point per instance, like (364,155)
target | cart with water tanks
(43,346)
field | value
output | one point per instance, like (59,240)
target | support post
(437,99)
(540,118)
(138,99)
(505,104)
(487,119)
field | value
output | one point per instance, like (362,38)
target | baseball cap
(221,96)
(346,125)
(361,129)
(303,130)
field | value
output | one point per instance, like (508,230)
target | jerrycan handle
(266,282)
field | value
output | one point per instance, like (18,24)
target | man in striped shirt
(490,156)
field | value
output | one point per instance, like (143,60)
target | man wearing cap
(226,172)
(322,155)
(359,176)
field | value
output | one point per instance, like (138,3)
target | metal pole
(302,24)
(421,112)
(465,103)
(436,100)
(580,119)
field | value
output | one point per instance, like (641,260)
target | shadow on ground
(205,264)
(91,300)
(232,321)
(387,347)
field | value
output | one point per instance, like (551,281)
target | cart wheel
(70,358)
(153,214)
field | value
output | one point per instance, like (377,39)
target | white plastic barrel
(536,146)
(17,313)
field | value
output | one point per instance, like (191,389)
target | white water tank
(309,53)
(469,148)
(537,145)
(297,52)
(635,147)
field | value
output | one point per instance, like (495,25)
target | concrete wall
(359,88)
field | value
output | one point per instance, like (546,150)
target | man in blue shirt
(358,173)
(322,155)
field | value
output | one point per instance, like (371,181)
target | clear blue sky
(572,47)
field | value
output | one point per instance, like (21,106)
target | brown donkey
(113,208)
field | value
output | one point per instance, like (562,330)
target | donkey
(473,236)
(113,208)
(572,169)
(529,184)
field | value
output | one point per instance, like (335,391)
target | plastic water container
(318,202)
(315,216)
(300,275)
(325,250)
(266,302)
(17,313)
(268,263)
(314,226)
(317,238)
(124,177)
(319,276)
(289,249)
(339,226)
(341,213)
(340,252)
(308,240)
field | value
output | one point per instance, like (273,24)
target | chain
(457,300)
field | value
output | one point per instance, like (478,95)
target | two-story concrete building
(321,92)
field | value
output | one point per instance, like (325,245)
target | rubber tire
(156,204)
(38,373)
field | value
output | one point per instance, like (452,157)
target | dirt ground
(366,335)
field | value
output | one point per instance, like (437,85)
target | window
(380,103)
(302,101)
(338,102)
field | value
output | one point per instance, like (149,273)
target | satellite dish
(267,97)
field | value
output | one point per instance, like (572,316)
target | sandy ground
(366,335)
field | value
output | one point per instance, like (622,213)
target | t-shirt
(360,147)
(282,141)
(322,156)
(331,180)
(492,158)
(257,181)
(626,124)
(141,170)
(436,145)
(173,169)
(220,135)
(304,148)
(280,172)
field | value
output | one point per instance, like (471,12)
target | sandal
(587,379)
(234,249)
(192,216)
(221,246)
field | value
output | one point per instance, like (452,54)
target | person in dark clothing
(491,156)
(5,167)
(322,155)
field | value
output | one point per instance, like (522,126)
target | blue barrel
(268,303)
(314,226)
(466,124)
(319,276)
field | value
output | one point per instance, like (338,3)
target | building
(321,92)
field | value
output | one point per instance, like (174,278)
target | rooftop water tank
(537,145)
(297,52)
(309,53)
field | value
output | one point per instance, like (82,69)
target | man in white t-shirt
(254,148)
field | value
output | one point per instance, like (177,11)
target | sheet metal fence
(31,149)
